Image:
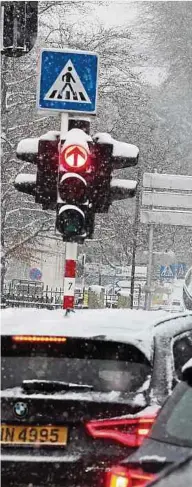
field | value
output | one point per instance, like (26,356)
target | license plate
(33,435)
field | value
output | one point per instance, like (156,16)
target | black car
(79,392)
(178,475)
(169,442)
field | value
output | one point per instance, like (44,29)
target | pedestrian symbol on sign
(69,78)
(68,86)
(181,270)
(166,272)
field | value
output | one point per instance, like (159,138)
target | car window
(105,366)
(174,423)
(182,351)
(179,424)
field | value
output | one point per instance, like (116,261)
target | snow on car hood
(124,325)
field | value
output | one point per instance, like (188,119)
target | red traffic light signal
(74,158)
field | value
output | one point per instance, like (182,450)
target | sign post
(149,269)
(170,207)
(68,84)
(70,247)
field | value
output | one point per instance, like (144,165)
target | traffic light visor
(73,188)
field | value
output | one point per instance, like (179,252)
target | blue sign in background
(35,274)
(52,63)
(173,270)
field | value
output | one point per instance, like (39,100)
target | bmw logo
(20,409)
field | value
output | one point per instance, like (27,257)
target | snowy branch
(3,137)
(39,120)
(27,239)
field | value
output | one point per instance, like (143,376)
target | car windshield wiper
(53,386)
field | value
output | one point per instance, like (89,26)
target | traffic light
(74,176)
(75,216)
(43,152)
(19,25)
(111,155)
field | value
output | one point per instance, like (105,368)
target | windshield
(104,366)
(174,424)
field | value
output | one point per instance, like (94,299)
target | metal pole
(83,273)
(149,270)
(139,296)
(64,125)
(1,26)
(150,263)
(69,275)
(136,229)
(70,248)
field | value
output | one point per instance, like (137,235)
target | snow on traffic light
(42,152)
(75,177)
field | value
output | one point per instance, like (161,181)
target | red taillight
(117,477)
(128,432)
(125,477)
(37,339)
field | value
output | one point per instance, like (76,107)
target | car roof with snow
(136,327)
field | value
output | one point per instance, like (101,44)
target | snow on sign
(68,81)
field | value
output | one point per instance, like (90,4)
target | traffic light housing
(112,155)
(42,152)
(75,216)
(74,176)
(19,25)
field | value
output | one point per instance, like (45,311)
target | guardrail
(53,298)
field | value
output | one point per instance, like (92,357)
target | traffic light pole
(69,275)
(70,247)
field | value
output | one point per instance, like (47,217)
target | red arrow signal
(74,157)
(76,152)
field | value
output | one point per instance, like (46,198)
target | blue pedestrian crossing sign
(68,81)
(181,270)
(172,271)
(167,272)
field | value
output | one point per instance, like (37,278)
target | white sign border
(61,110)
